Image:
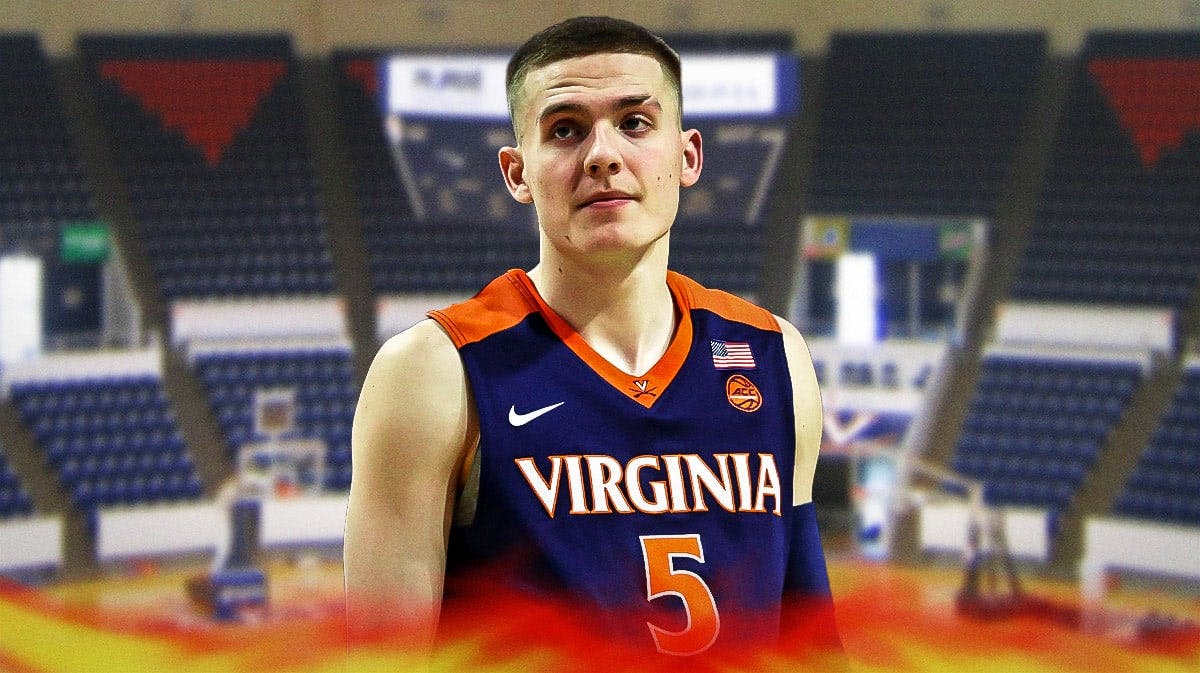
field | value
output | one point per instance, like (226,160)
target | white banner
(20,308)
(730,85)
(944,526)
(31,543)
(472,86)
(80,365)
(1077,326)
(447,86)
(258,318)
(891,376)
(156,531)
(1114,544)
(396,313)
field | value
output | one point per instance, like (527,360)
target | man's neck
(625,313)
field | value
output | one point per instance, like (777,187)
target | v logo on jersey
(642,387)
(517,420)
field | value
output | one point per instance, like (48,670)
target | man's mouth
(606,199)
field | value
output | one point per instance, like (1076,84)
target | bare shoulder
(414,412)
(421,350)
(805,389)
(796,349)
(809,414)
(411,428)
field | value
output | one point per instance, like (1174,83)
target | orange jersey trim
(728,306)
(510,298)
(644,389)
(496,308)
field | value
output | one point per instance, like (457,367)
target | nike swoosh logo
(517,420)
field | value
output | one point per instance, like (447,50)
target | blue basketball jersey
(663,501)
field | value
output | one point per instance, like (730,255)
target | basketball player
(599,428)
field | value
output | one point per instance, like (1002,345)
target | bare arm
(808,609)
(806,398)
(412,428)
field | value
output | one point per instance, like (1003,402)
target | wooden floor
(891,619)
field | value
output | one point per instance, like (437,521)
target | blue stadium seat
(105,436)
(208,132)
(1035,425)
(1165,485)
(325,388)
(1115,224)
(41,177)
(928,126)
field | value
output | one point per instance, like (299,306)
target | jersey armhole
(468,488)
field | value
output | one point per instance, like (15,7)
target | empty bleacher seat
(14,499)
(109,439)
(209,136)
(325,396)
(41,179)
(1165,485)
(921,124)
(1116,222)
(1036,425)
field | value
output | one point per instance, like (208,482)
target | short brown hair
(584,36)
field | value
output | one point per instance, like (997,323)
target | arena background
(225,230)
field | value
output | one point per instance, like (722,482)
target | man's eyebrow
(621,104)
(558,108)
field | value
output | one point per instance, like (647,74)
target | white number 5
(663,579)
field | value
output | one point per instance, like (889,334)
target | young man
(598,429)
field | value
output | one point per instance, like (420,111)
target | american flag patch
(731,354)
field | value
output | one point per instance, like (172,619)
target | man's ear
(693,157)
(513,167)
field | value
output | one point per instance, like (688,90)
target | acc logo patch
(742,393)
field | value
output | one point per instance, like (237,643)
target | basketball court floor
(891,618)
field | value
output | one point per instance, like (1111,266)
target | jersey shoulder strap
(503,303)
(723,304)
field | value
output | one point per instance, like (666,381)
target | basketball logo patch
(742,393)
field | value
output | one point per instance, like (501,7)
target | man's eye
(562,132)
(635,124)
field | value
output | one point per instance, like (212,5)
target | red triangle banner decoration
(1156,99)
(365,71)
(208,101)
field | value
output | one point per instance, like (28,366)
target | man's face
(600,155)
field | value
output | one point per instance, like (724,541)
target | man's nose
(603,157)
